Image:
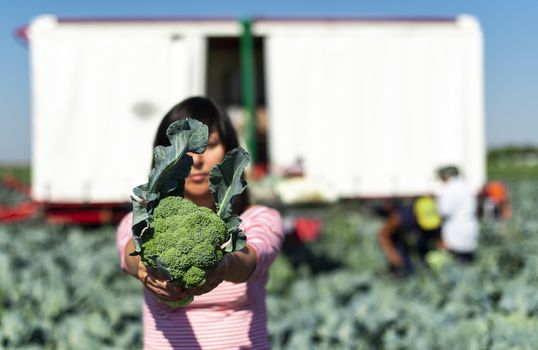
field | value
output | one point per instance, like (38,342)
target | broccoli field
(61,288)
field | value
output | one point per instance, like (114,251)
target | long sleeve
(123,235)
(265,233)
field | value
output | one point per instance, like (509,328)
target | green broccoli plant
(173,235)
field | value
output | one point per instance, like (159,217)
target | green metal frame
(248,87)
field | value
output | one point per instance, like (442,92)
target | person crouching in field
(415,224)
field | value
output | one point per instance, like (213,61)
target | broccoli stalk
(175,236)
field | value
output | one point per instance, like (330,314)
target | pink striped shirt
(231,316)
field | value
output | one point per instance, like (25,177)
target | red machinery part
(19,212)
(85,214)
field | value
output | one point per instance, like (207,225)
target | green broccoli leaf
(238,238)
(225,183)
(139,211)
(163,268)
(225,180)
(172,166)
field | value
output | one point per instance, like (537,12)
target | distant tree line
(524,156)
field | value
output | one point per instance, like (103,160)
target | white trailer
(371,106)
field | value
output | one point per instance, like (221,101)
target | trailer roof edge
(22,32)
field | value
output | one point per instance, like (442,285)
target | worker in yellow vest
(417,221)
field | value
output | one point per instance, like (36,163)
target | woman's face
(197,183)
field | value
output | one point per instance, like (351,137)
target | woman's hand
(159,286)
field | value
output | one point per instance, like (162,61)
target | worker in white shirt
(457,205)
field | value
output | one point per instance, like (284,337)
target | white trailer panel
(373,108)
(99,91)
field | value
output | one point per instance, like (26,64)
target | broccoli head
(186,238)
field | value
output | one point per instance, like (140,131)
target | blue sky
(510,32)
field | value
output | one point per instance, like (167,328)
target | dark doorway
(224,85)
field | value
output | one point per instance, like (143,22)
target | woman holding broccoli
(228,311)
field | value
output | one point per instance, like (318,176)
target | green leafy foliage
(356,304)
(61,288)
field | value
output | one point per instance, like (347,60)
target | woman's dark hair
(204,110)
(212,115)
